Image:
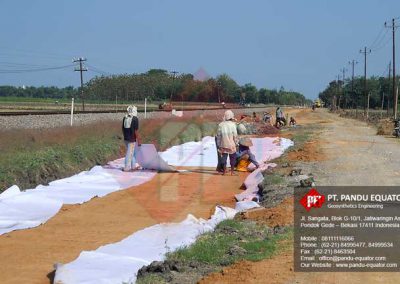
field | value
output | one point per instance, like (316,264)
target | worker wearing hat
(130,127)
(226,139)
(244,156)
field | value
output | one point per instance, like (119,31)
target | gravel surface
(356,156)
(60,120)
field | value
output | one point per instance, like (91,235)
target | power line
(14,64)
(97,70)
(377,37)
(385,72)
(34,69)
(13,51)
(382,43)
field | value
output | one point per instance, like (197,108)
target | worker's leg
(133,160)
(224,157)
(129,154)
(232,161)
(252,159)
(219,156)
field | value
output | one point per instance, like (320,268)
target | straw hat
(245,141)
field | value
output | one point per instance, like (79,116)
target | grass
(30,167)
(38,156)
(151,279)
(231,241)
(302,136)
(32,100)
(273,179)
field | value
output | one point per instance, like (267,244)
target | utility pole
(173,83)
(174,73)
(395,95)
(365,52)
(343,70)
(218,91)
(81,69)
(352,63)
(388,103)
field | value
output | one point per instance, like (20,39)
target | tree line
(38,92)
(351,94)
(160,85)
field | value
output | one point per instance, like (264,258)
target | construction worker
(280,118)
(244,157)
(292,121)
(267,117)
(227,138)
(130,127)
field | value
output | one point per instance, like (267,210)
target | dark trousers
(232,160)
(252,158)
(219,166)
(280,121)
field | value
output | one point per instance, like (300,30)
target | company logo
(312,199)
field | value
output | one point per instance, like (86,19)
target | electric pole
(174,73)
(343,70)
(365,52)
(218,91)
(352,63)
(388,102)
(81,69)
(395,95)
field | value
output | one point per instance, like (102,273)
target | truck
(318,103)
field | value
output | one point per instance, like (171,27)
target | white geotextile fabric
(245,205)
(204,152)
(256,177)
(30,208)
(119,262)
(177,113)
(251,183)
(148,158)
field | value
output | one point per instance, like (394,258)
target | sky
(299,44)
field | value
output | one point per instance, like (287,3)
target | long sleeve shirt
(227,137)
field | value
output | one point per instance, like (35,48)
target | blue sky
(298,44)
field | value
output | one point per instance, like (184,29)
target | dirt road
(356,155)
(353,155)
